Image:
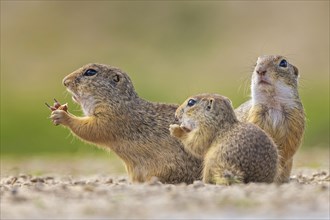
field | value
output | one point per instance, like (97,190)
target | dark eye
(90,72)
(191,102)
(283,63)
(115,78)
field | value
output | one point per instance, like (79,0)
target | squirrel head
(273,75)
(205,110)
(202,118)
(94,84)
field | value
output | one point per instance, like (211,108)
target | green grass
(26,128)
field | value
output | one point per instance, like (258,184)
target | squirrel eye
(283,63)
(90,72)
(116,78)
(191,102)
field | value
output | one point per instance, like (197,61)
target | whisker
(66,93)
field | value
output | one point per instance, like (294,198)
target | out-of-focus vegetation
(171,50)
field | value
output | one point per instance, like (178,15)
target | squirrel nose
(66,82)
(261,72)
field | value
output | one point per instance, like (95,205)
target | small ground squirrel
(276,107)
(135,129)
(233,151)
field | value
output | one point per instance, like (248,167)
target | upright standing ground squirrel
(233,151)
(276,107)
(135,129)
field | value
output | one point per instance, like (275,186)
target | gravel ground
(67,191)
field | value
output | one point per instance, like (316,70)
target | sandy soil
(69,189)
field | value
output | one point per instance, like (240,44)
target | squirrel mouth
(264,82)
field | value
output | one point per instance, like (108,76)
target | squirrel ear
(210,104)
(228,103)
(295,71)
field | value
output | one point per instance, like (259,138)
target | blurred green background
(171,50)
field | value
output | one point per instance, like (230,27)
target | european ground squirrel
(275,107)
(135,129)
(232,151)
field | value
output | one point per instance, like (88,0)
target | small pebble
(109,181)
(23,176)
(49,178)
(39,186)
(26,184)
(89,188)
(37,179)
(14,179)
(10,180)
(122,180)
(154,181)
(63,186)
(198,184)
(79,182)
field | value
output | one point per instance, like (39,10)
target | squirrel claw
(57,106)
(50,107)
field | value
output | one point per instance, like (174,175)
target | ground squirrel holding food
(135,129)
(276,107)
(233,151)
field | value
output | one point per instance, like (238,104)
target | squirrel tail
(228,177)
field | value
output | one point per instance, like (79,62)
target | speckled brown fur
(135,129)
(233,151)
(276,108)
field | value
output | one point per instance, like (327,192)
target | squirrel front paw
(59,113)
(176,130)
(60,117)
